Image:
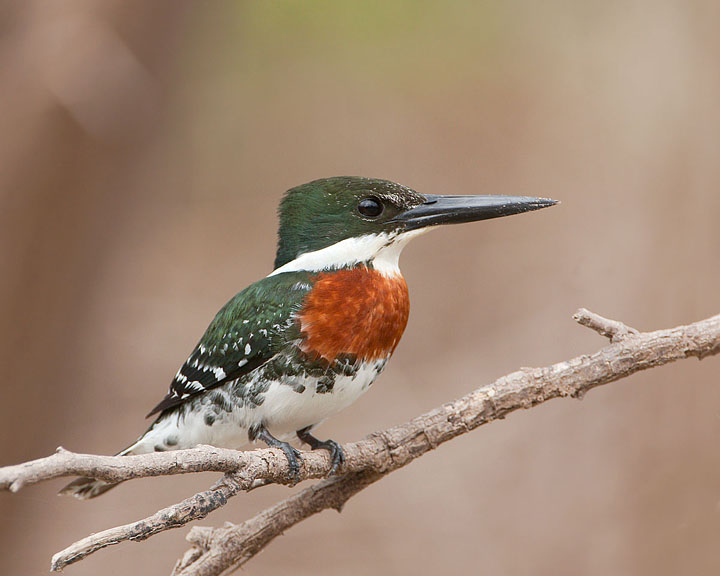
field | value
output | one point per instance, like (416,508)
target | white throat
(382,251)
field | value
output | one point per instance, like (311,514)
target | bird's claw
(294,458)
(293,455)
(337,455)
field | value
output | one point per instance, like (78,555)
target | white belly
(283,411)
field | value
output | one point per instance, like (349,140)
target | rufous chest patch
(357,311)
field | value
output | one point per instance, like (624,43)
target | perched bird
(306,341)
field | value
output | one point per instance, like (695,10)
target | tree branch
(612,329)
(269,464)
(217,550)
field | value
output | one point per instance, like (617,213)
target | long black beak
(457,209)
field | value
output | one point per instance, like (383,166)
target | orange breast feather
(357,311)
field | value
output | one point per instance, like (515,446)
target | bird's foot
(293,455)
(337,455)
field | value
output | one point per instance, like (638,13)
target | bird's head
(343,221)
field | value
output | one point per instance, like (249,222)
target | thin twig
(193,508)
(269,464)
(612,329)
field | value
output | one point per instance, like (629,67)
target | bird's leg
(293,455)
(337,456)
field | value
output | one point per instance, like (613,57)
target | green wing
(248,331)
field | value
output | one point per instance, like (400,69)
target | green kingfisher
(309,339)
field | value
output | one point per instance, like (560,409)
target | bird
(309,339)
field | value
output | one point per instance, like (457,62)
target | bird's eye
(370,207)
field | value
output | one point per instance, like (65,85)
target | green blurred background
(144,148)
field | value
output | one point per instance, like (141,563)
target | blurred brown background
(144,148)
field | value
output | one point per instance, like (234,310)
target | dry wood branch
(612,329)
(192,508)
(269,464)
(215,551)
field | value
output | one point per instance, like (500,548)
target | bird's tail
(152,440)
(85,488)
